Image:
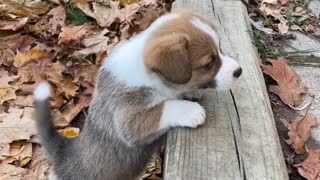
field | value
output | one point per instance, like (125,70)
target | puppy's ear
(168,56)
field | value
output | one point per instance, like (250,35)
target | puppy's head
(185,51)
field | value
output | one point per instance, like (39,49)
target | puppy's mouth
(211,84)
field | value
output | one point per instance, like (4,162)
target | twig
(309,105)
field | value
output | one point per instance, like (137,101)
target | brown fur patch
(163,55)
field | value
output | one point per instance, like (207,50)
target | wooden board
(239,139)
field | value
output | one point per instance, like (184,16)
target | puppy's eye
(210,64)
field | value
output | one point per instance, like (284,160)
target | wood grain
(239,139)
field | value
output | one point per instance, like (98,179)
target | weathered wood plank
(239,139)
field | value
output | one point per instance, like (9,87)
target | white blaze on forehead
(205,28)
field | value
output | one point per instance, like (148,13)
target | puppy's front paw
(182,113)
(194,115)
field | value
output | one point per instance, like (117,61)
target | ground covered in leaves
(274,23)
(63,42)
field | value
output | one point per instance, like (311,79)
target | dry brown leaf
(25,101)
(10,44)
(27,8)
(65,87)
(148,16)
(13,24)
(310,168)
(17,124)
(288,89)
(283,28)
(94,44)
(8,171)
(71,111)
(22,59)
(58,19)
(50,24)
(7,93)
(270,1)
(300,131)
(100,12)
(149,2)
(7,56)
(125,2)
(39,167)
(69,132)
(73,34)
(284,2)
(20,151)
(274,11)
(86,72)
(57,100)
(5,78)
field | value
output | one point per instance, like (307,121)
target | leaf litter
(288,87)
(290,90)
(273,22)
(65,44)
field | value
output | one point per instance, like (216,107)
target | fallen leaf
(7,93)
(32,73)
(86,72)
(149,2)
(8,171)
(20,151)
(69,132)
(5,78)
(310,167)
(58,19)
(7,56)
(309,28)
(31,9)
(39,167)
(25,101)
(13,24)
(274,11)
(16,126)
(284,2)
(95,43)
(102,13)
(22,59)
(300,131)
(50,24)
(11,44)
(124,2)
(65,87)
(270,1)
(73,34)
(283,28)
(288,89)
(148,16)
(71,111)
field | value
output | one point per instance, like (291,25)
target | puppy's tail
(49,136)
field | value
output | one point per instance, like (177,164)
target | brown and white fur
(138,98)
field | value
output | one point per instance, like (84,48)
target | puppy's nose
(237,73)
